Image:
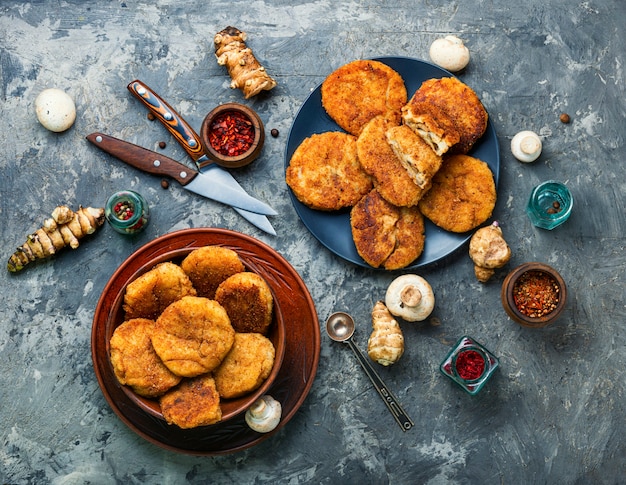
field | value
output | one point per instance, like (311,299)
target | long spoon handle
(390,400)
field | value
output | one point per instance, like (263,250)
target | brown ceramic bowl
(105,326)
(516,278)
(221,157)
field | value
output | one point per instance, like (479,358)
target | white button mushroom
(450,53)
(526,146)
(55,109)
(410,297)
(264,415)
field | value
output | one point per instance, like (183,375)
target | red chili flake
(470,365)
(123,210)
(231,133)
(536,294)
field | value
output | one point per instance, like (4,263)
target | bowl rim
(508,301)
(150,405)
(249,155)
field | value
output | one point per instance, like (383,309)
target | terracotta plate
(332,229)
(300,360)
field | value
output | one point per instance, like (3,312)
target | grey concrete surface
(553,413)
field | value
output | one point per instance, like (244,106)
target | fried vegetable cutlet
(208,266)
(195,402)
(325,174)
(416,156)
(386,235)
(462,196)
(192,336)
(378,159)
(152,292)
(248,301)
(356,92)
(134,361)
(460,103)
(432,124)
(246,366)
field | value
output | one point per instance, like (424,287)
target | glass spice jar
(469,364)
(127,212)
(550,205)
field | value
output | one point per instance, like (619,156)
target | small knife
(190,179)
(190,141)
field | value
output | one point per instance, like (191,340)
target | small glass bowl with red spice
(232,135)
(127,212)
(469,364)
(534,294)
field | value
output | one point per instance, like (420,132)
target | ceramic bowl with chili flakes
(534,294)
(232,135)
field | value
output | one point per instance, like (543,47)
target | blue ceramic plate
(332,229)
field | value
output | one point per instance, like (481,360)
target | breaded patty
(386,235)
(378,159)
(192,336)
(246,366)
(195,402)
(431,123)
(208,266)
(462,106)
(134,361)
(463,194)
(356,92)
(152,292)
(248,301)
(325,174)
(415,155)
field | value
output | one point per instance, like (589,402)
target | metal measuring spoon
(340,328)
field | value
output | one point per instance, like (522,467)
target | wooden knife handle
(142,158)
(176,125)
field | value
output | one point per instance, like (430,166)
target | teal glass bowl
(469,364)
(550,205)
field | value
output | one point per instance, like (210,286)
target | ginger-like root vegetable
(489,251)
(245,71)
(386,343)
(64,228)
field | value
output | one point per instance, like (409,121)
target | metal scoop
(340,328)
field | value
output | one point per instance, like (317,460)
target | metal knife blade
(190,141)
(190,179)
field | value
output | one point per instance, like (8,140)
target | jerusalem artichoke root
(245,71)
(386,343)
(489,251)
(64,228)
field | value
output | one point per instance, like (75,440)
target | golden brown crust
(360,90)
(463,194)
(386,235)
(152,292)
(248,300)
(378,159)
(462,106)
(415,155)
(195,402)
(431,123)
(246,366)
(325,174)
(208,266)
(134,361)
(192,336)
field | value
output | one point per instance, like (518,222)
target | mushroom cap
(264,415)
(410,297)
(526,146)
(55,109)
(450,53)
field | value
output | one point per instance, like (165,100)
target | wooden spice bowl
(253,140)
(554,294)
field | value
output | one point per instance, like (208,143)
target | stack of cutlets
(400,160)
